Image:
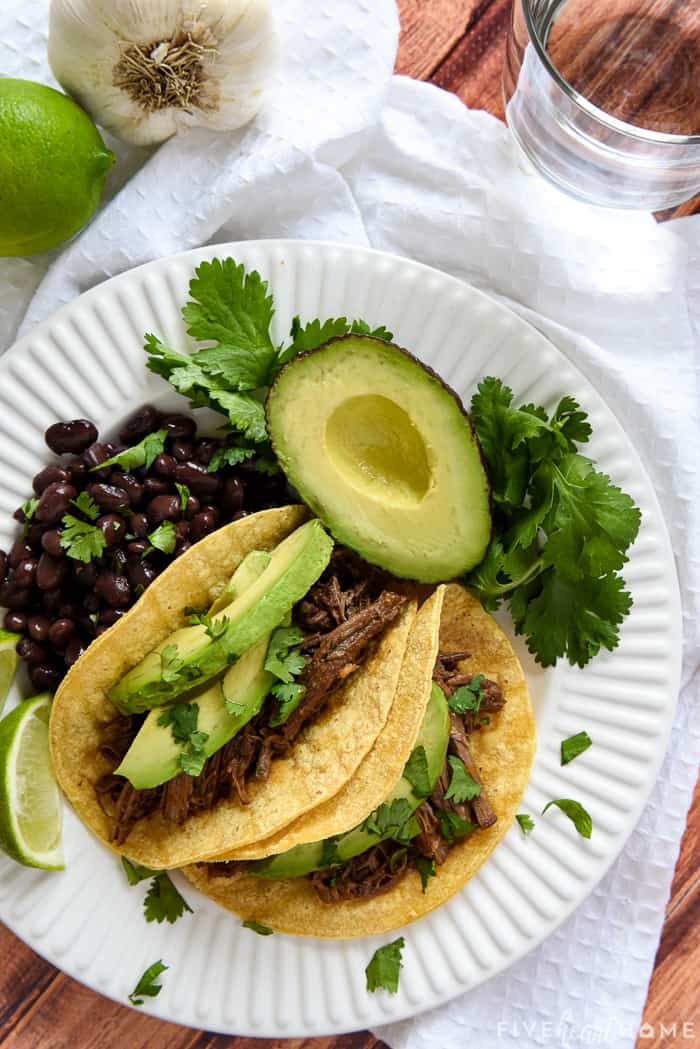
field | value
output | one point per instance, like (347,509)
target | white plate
(88,361)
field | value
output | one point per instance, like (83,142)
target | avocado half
(385,455)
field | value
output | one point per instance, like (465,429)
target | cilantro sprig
(562,528)
(463,786)
(163,901)
(148,986)
(286,662)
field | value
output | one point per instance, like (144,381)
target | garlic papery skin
(145,69)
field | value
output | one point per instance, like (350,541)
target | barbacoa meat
(342,616)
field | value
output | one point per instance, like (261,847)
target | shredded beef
(370,874)
(481,807)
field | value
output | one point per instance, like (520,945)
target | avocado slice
(252,565)
(152,758)
(385,454)
(434,735)
(190,656)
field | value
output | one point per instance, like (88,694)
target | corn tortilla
(384,764)
(324,757)
(503,753)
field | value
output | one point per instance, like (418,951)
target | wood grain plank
(429,31)
(472,70)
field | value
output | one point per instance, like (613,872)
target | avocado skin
(433,736)
(294,567)
(419,571)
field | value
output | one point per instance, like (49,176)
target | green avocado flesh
(190,657)
(434,735)
(153,757)
(383,452)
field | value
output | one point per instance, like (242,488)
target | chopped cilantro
(573,746)
(463,786)
(28,509)
(576,813)
(231,455)
(289,695)
(135,872)
(384,967)
(163,537)
(80,540)
(468,697)
(562,528)
(391,821)
(329,852)
(417,774)
(261,930)
(141,454)
(184,493)
(163,902)
(452,826)
(215,628)
(147,985)
(527,824)
(426,869)
(182,718)
(283,659)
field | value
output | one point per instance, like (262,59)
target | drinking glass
(603,97)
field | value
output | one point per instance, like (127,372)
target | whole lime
(53,164)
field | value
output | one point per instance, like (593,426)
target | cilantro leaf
(426,869)
(245,413)
(360,327)
(230,455)
(215,628)
(391,821)
(163,902)
(576,813)
(452,826)
(316,333)
(164,537)
(417,774)
(182,718)
(503,431)
(147,984)
(384,967)
(80,540)
(463,786)
(135,872)
(283,659)
(28,509)
(289,695)
(261,930)
(527,824)
(468,697)
(574,745)
(141,454)
(184,493)
(87,505)
(329,852)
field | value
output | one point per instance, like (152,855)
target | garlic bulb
(145,69)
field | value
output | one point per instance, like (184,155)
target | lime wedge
(30,801)
(8,662)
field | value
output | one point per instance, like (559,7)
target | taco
(457,797)
(243,689)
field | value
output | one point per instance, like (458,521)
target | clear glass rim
(621,126)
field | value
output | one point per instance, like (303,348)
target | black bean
(163,508)
(108,496)
(113,528)
(96,454)
(102,628)
(50,572)
(140,573)
(51,601)
(38,627)
(19,550)
(178,425)
(138,524)
(163,465)
(50,475)
(137,547)
(111,615)
(74,650)
(16,622)
(113,589)
(182,549)
(13,597)
(46,677)
(192,507)
(132,487)
(142,422)
(54,502)
(3,564)
(239,514)
(34,534)
(61,631)
(74,436)
(30,651)
(204,450)
(119,562)
(182,531)
(232,495)
(91,604)
(197,478)
(25,572)
(155,486)
(203,523)
(51,543)
(67,611)
(77,469)
(182,450)
(84,574)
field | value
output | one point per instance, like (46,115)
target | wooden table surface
(459,45)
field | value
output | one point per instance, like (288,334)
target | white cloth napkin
(425,177)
